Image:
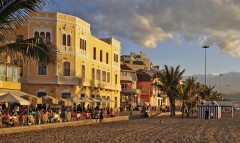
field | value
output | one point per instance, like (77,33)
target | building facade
(150,94)
(137,61)
(86,66)
(129,93)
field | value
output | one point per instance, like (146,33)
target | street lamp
(220,83)
(205,47)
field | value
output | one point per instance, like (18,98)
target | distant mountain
(230,81)
(230,84)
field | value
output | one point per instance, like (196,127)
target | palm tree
(14,13)
(170,79)
(194,90)
(183,94)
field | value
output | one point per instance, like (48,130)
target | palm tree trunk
(189,108)
(182,110)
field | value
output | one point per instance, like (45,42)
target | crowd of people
(42,113)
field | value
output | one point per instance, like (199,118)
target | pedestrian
(101,116)
(206,114)
(211,115)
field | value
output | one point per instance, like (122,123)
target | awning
(64,102)
(31,98)
(49,100)
(11,98)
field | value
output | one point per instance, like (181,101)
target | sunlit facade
(86,66)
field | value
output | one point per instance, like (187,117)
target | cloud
(151,22)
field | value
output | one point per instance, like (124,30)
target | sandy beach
(226,130)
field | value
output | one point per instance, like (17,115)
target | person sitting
(112,114)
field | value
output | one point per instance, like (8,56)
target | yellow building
(86,66)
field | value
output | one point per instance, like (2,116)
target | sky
(170,32)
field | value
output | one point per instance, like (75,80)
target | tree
(170,79)
(193,97)
(183,94)
(14,13)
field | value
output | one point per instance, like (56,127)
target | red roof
(125,67)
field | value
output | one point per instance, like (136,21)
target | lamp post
(220,75)
(205,47)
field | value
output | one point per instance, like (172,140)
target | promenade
(176,129)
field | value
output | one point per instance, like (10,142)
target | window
(81,47)
(104,103)
(42,69)
(108,77)
(42,34)
(36,34)
(68,40)
(66,66)
(66,95)
(94,53)
(116,58)
(115,105)
(83,71)
(83,44)
(41,94)
(106,58)
(103,76)
(48,36)
(108,103)
(98,74)
(93,74)
(64,39)
(100,55)
(116,82)
(19,38)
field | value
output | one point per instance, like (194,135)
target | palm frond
(13,13)
(34,48)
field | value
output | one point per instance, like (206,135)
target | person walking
(206,114)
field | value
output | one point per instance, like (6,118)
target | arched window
(108,77)
(98,74)
(66,95)
(93,74)
(48,36)
(83,71)
(36,34)
(41,94)
(42,34)
(103,76)
(66,66)
(68,40)
(64,39)
(42,69)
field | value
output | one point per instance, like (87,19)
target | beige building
(129,92)
(137,61)
(86,66)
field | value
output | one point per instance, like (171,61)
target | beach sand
(176,129)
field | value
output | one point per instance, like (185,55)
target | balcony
(126,78)
(83,53)
(64,48)
(130,90)
(40,79)
(84,82)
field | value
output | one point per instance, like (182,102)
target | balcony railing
(84,82)
(82,52)
(130,90)
(64,48)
